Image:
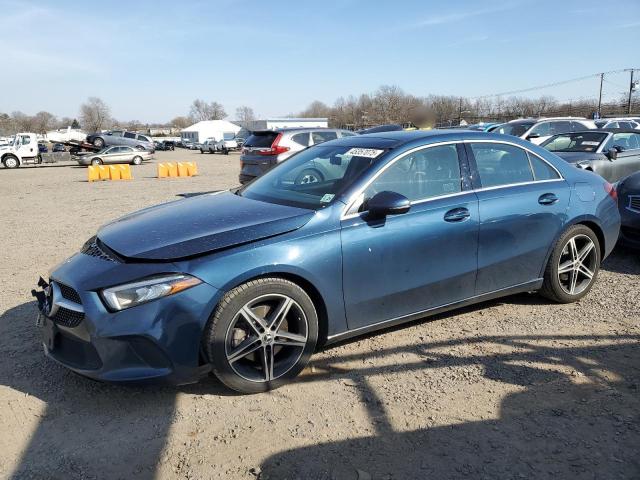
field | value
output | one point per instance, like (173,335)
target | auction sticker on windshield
(364,152)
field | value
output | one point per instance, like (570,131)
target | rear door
(522,202)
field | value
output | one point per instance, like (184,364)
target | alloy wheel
(577,264)
(266,338)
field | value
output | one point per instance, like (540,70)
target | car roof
(297,129)
(396,139)
(619,130)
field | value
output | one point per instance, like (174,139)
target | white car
(539,130)
(224,145)
(624,123)
(208,146)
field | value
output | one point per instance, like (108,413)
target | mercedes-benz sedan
(246,283)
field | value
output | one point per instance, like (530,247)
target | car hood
(198,225)
(575,157)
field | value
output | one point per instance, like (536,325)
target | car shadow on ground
(575,415)
(623,260)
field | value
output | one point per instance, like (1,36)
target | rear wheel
(10,162)
(573,265)
(261,335)
(98,142)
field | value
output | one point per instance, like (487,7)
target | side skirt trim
(522,287)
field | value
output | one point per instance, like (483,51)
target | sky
(148,60)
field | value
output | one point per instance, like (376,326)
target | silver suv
(264,149)
(121,137)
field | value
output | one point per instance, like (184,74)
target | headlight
(132,294)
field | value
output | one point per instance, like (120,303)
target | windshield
(313,177)
(515,129)
(575,142)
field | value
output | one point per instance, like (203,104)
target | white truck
(23,150)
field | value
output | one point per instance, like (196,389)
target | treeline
(390,104)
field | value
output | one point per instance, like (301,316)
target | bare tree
(134,125)
(180,122)
(95,115)
(201,110)
(43,122)
(316,109)
(245,114)
(22,122)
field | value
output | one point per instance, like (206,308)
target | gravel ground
(515,388)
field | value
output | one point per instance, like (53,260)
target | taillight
(275,148)
(611,190)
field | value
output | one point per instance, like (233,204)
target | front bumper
(158,341)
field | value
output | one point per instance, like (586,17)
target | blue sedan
(394,227)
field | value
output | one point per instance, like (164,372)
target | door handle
(547,199)
(456,215)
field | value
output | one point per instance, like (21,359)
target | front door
(412,262)
(628,159)
(522,202)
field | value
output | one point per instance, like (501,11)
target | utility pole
(631,89)
(460,111)
(600,96)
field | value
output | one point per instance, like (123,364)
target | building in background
(199,132)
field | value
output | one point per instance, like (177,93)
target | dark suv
(264,149)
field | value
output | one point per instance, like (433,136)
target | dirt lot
(517,388)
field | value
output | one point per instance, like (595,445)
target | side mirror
(612,153)
(387,203)
(533,135)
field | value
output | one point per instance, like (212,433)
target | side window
(346,133)
(116,133)
(559,127)
(26,139)
(301,139)
(634,141)
(622,141)
(541,169)
(129,135)
(577,127)
(427,173)
(612,125)
(500,164)
(543,129)
(142,138)
(320,136)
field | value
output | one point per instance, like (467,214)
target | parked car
(612,153)
(539,130)
(121,137)
(624,123)
(628,190)
(245,284)
(42,148)
(116,154)
(169,144)
(226,144)
(208,146)
(266,148)
(58,147)
(380,128)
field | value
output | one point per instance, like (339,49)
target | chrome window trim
(357,198)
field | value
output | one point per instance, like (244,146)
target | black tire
(553,286)
(309,175)
(137,160)
(10,161)
(98,142)
(96,161)
(201,151)
(219,337)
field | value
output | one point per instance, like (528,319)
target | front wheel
(309,175)
(96,161)
(137,160)
(573,266)
(261,335)
(11,162)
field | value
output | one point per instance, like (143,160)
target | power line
(554,84)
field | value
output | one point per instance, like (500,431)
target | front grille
(68,318)
(69,293)
(93,249)
(634,203)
